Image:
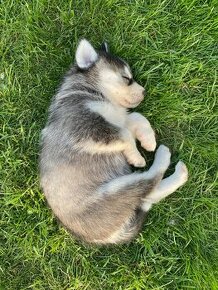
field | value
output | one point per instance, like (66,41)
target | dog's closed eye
(128,80)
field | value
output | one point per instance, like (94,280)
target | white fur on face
(127,72)
(117,91)
(85,54)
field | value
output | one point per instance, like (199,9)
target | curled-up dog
(88,145)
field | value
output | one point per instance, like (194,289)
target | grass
(172,47)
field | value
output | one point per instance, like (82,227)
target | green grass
(172,47)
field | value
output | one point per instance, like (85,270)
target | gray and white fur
(87,146)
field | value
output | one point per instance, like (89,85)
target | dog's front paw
(136,160)
(147,139)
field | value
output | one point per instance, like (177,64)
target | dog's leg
(115,126)
(166,186)
(158,168)
(142,130)
(122,198)
(123,142)
(130,151)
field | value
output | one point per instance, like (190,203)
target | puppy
(88,145)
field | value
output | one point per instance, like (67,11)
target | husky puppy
(88,144)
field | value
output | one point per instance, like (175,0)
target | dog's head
(114,77)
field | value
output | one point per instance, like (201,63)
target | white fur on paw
(147,139)
(182,171)
(149,143)
(138,161)
(163,152)
(163,156)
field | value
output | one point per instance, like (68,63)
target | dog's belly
(70,187)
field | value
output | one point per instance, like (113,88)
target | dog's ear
(104,47)
(86,55)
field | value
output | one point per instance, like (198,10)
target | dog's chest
(113,114)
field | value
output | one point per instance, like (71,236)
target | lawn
(173,50)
